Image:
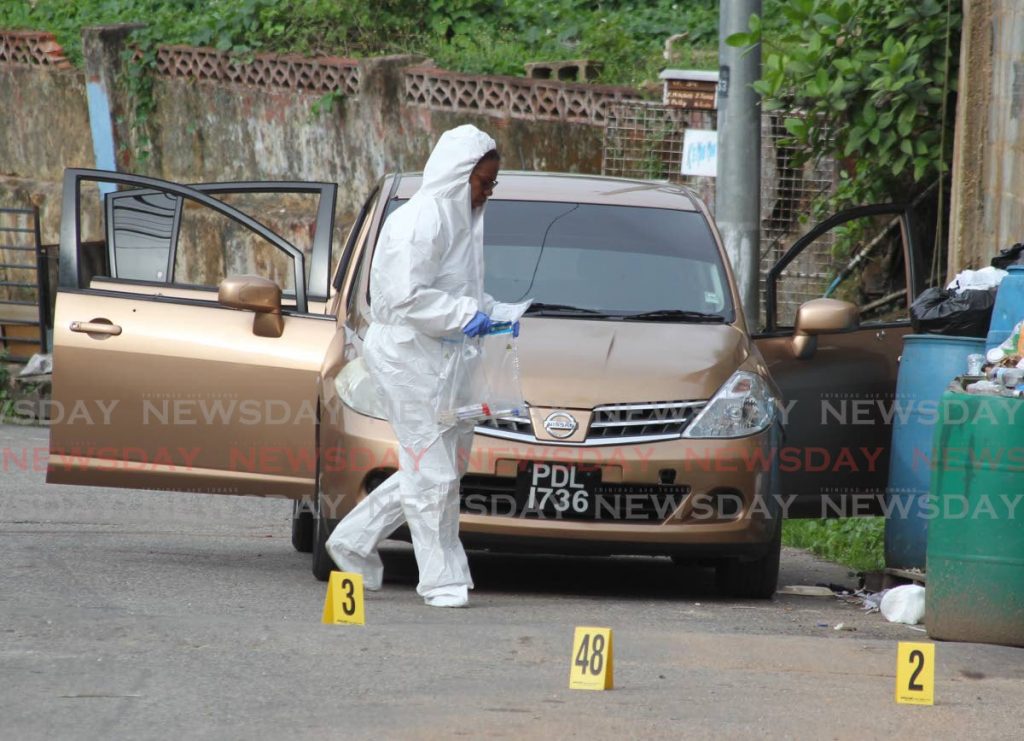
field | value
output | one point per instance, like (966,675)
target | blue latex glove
(515,329)
(478,325)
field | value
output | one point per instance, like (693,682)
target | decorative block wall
(513,97)
(438,89)
(32,47)
(321,75)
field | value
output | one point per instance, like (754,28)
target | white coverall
(426,284)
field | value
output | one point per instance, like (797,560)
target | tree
(866,82)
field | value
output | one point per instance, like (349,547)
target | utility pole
(738,187)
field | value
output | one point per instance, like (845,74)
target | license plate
(557,491)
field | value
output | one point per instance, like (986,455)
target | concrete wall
(988,164)
(207,130)
(215,131)
(44,127)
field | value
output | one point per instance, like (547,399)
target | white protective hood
(428,272)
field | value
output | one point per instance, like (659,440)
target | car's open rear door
(840,400)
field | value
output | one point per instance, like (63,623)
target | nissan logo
(560,425)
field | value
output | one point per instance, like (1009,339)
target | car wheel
(323,565)
(302,526)
(752,579)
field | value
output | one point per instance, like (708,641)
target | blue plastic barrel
(1009,307)
(928,364)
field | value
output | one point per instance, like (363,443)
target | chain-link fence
(645,140)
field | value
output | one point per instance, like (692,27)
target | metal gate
(24,286)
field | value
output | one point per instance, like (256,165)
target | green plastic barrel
(975,571)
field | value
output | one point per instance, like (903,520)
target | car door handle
(96,328)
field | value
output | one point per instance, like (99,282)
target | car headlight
(743,406)
(358,390)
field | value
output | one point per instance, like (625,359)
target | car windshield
(604,260)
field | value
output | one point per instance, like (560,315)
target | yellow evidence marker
(344,602)
(592,666)
(915,673)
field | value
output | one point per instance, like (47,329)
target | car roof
(515,185)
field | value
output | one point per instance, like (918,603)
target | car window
(353,296)
(356,237)
(143,228)
(861,260)
(609,258)
(157,236)
(356,241)
(211,247)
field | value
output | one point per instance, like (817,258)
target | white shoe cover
(448,600)
(370,568)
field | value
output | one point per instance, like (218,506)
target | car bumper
(719,500)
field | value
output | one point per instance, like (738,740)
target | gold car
(202,343)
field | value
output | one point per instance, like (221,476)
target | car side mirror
(258,294)
(821,316)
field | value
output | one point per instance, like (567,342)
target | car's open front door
(839,386)
(157,383)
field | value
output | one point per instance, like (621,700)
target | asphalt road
(140,615)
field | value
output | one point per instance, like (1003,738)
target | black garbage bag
(1009,256)
(942,311)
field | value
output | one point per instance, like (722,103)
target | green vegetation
(873,81)
(485,36)
(857,542)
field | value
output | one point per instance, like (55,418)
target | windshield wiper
(680,315)
(561,309)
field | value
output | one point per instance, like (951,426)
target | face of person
(482,182)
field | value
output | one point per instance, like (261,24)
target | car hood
(580,364)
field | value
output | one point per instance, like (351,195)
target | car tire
(755,579)
(323,565)
(303,526)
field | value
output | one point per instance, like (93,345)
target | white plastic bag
(977,280)
(904,604)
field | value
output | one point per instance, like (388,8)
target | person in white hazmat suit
(426,288)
